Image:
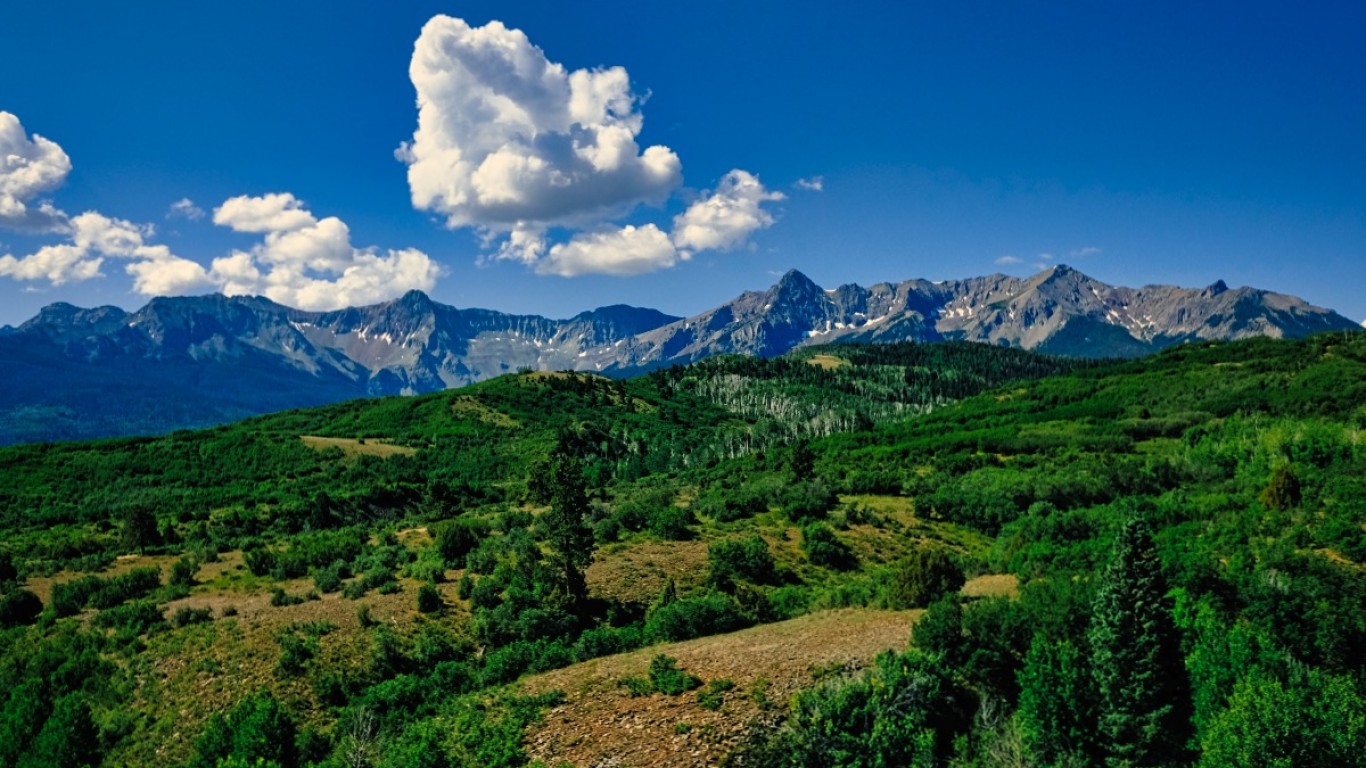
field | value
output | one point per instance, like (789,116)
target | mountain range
(182,362)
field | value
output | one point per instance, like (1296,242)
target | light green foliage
(903,712)
(1317,719)
(1057,704)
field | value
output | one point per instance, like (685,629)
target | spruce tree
(1139,671)
(566,527)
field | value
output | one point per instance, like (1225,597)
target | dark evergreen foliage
(1143,693)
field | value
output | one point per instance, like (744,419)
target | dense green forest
(364,583)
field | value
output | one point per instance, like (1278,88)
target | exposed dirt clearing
(600,723)
(352,447)
(992,585)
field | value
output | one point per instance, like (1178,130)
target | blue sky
(665,154)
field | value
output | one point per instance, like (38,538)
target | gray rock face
(212,358)
(1060,311)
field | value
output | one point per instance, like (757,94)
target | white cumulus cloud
(29,168)
(308,262)
(623,252)
(94,238)
(726,218)
(528,152)
(813,184)
(275,212)
(507,137)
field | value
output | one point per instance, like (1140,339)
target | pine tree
(570,538)
(1139,672)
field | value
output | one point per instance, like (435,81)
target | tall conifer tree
(1140,674)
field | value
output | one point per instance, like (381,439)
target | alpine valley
(72,373)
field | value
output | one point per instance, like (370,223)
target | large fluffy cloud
(726,218)
(626,251)
(94,237)
(506,136)
(308,262)
(29,168)
(517,146)
(302,260)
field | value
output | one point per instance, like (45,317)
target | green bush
(731,560)
(922,577)
(183,571)
(672,523)
(690,617)
(187,616)
(428,599)
(18,608)
(328,579)
(257,729)
(824,548)
(456,539)
(668,679)
(135,618)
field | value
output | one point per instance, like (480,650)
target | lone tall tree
(566,526)
(1140,674)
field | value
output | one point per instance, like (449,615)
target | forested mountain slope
(358,582)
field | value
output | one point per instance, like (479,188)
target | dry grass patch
(827,362)
(992,585)
(637,571)
(601,721)
(466,407)
(352,447)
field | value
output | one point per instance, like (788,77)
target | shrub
(134,618)
(672,523)
(458,538)
(606,641)
(668,679)
(18,608)
(744,559)
(825,549)
(279,598)
(183,571)
(924,576)
(808,501)
(329,578)
(691,617)
(257,729)
(714,696)
(428,599)
(729,506)
(187,616)
(259,561)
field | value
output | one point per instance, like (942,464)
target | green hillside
(1178,541)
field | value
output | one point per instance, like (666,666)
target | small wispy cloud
(1085,251)
(813,184)
(1008,259)
(184,208)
